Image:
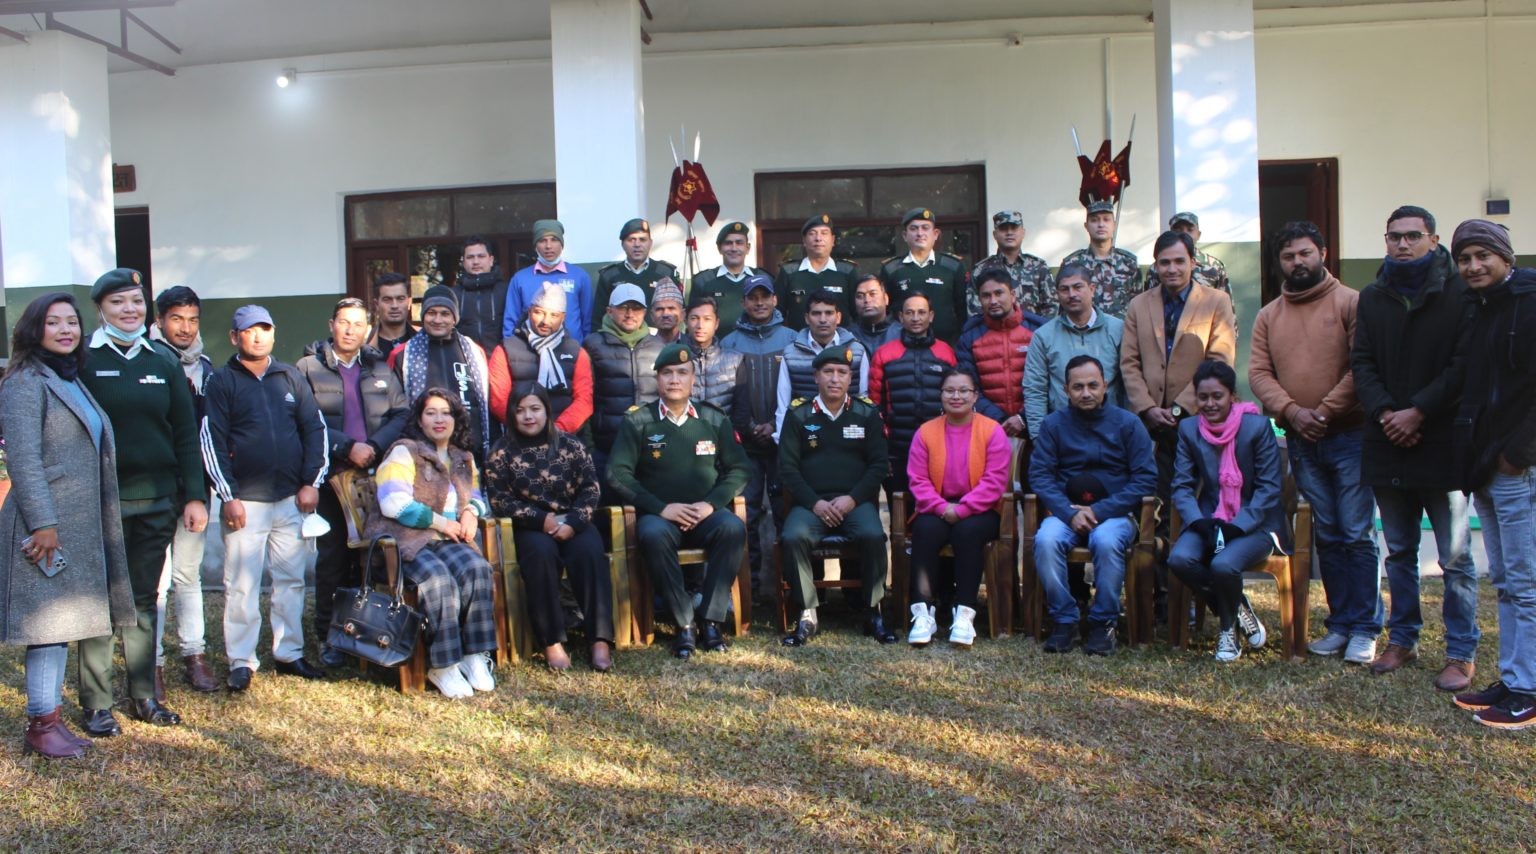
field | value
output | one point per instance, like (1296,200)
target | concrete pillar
(599,123)
(56,216)
(1208,140)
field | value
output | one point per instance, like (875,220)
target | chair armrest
(898,515)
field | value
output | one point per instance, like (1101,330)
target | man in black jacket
(622,351)
(1407,362)
(482,294)
(364,408)
(264,448)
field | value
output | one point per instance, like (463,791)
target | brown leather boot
(1394,657)
(1455,676)
(48,736)
(199,675)
(159,683)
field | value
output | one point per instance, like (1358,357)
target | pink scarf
(1224,436)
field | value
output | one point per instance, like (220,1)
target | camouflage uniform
(1033,285)
(1117,277)
(1209,271)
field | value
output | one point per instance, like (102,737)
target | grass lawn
(843,744)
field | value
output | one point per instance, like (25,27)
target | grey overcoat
(59,479)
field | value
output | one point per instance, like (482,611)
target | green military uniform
(650,274)
(797,281)
(1118,278)
(728,293)
(942,277)
(1033,285)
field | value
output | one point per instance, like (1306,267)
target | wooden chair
(834,547)
(999,569)
(1140,559)
(1293,577)
(358,496)
(643,597)
(610,522)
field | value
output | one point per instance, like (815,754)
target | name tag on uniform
(932,281)
(151,380)
(109,373)
(704,448)
(853,431)
(836,289)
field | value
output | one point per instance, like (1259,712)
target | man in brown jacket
(1299,371)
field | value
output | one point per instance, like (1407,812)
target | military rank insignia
(656,445)
(811,429)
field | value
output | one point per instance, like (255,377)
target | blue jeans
(1343,510)
(45,677)
(1401,510)
(1107,542)
(1507,509)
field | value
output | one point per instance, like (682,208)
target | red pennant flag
(691,193)
(1104,179)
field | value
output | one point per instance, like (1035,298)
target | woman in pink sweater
(958,469)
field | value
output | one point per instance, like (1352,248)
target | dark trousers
(968,537)
(896,481)
(723,538)
(145,537)
(1218,581)
(541,558)
(802,531)
(763,485)
(1165,444)
(335,564)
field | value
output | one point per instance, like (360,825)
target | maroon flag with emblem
(1104,179)
(691,193)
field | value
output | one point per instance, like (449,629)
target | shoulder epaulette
(665,266)
(703,405)
(799,401)
(891,263)
(866,398)
(845,266)
(636,408)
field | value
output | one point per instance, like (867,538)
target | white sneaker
(1362,649)
(1332,643)
(451,682)
(962,628)
(476,668)
(923,624)
(1226,646)
(1248,621)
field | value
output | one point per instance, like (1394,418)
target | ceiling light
(286,79)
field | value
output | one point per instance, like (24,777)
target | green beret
(673,354)
(817,220)
(113,281)
(733,228)
(634,225)
(833,356)
(916,214)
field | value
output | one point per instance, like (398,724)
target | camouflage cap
(1101,206)
(1002,218)
(1184,216)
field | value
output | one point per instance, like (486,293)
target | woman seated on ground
(1226,486)
(429,501)
(958,469)
(545,482)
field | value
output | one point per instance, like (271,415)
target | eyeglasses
(959,392)
(1395,237)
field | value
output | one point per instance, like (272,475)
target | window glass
(393,219)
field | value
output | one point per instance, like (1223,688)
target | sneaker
(1515,711)
(1227,648)
(962,628)
(1253,630)
(1101,639)
(1361,650)
(1476,701)
(1332,643)
(923,624)
(1062,638)
(476,668)
(451,682)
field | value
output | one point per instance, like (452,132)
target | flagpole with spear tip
(687,222)
(1121,195)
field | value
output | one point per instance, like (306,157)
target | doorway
(1291,190)
(132,230)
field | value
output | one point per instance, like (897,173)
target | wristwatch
(1177,410)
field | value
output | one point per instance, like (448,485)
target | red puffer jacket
(993,352)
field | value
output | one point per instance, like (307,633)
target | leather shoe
(875,627)
(802,634)
(99,723)
(332,657)
(1455,676)
(711,638)
(602,656)
(239,678)
(198,674)
(150,711)
(300,668)
(1393,658)
(684,644)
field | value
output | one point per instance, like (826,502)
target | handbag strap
(368,567)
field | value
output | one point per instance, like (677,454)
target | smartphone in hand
(57,566)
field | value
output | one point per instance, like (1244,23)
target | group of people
(828,389)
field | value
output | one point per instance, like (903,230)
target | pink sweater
(957,474)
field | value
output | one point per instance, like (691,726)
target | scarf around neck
(551,375)
(191,358)
(630,339)
(1230,476)
(66,365)
(1408,277)
(415,375)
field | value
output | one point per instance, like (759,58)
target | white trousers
(183,572)
(269,539)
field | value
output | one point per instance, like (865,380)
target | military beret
(672,354)
(113,281)
(1101,206)
(916,214)
(733,228)
(634,225)
(1184,216)
(817,220)
(833,356)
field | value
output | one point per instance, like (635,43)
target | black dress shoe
(801,635)
(300,668)
(239,678)
(99,723)
(150,711)
(683,645)
(874,626)
(711,638)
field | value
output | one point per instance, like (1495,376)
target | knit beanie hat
(551,297)
(1481,232)
(549,226)
(440,296)
(666,289)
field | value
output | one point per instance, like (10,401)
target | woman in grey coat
(63,571)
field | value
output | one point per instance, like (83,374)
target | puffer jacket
(482,299)
(714,374)
(799,355)
(757,379)
(515,361)
(993,351)
(1498,406)
(621,378)
(385,409)
(904,381)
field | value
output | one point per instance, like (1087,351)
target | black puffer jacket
(714,374)
(904,381)
(621,378)
(1498,407)
(385,408)
(482,300)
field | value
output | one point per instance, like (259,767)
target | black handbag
(376,627)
